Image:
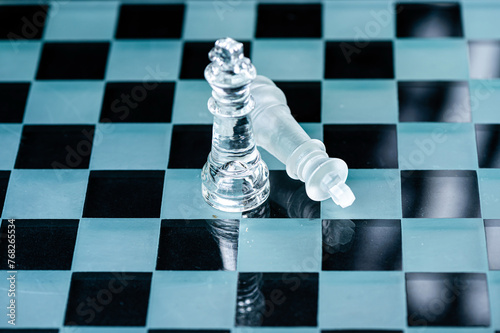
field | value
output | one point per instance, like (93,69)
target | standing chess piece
(234,179)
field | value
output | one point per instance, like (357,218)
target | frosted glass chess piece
(234,179)
(306,159)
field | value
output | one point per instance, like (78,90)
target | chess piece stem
(234,179)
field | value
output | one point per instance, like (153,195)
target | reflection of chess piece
(234,178)
(263,211)
(225,234)
(288,198)
(338,235)
(250,304)
(292,197)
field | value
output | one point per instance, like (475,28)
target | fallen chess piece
(306,159)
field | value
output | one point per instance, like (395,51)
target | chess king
(234,178)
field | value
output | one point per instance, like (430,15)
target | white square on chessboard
(45,194)
(116,245)
(195,299)
(19,60)
(481,19)
(41,297)
(150,61)
(211,20)
(279,245)
(378,194)
(352,21)
(362,300)
(63,102)
(131,146)
(289,60)
(10,135)
(431,59)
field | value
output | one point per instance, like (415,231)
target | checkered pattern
(104,130)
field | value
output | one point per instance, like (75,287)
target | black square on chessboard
(287,199)
(353,60)
(190,146)
(362,245)
(124,194)
(422,101)
(488,145)
(40,244)
(363,146)
(440,194)
(428,20)
(492,228)
(277,299)
(55,147)
(4,182)
(150,21)
(192,245)
(447,299)
(304,100)
(73,61)
(138,102)
(195,58)
(22,22)
(484,57)
(108,299)
(289,20)
(13,98)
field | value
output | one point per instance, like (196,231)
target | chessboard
(104,129)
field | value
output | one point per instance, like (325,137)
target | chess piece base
(235,186)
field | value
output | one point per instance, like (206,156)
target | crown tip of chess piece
(229,66)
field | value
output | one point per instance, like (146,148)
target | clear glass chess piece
(234,179)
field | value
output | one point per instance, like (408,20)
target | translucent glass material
(234,179)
